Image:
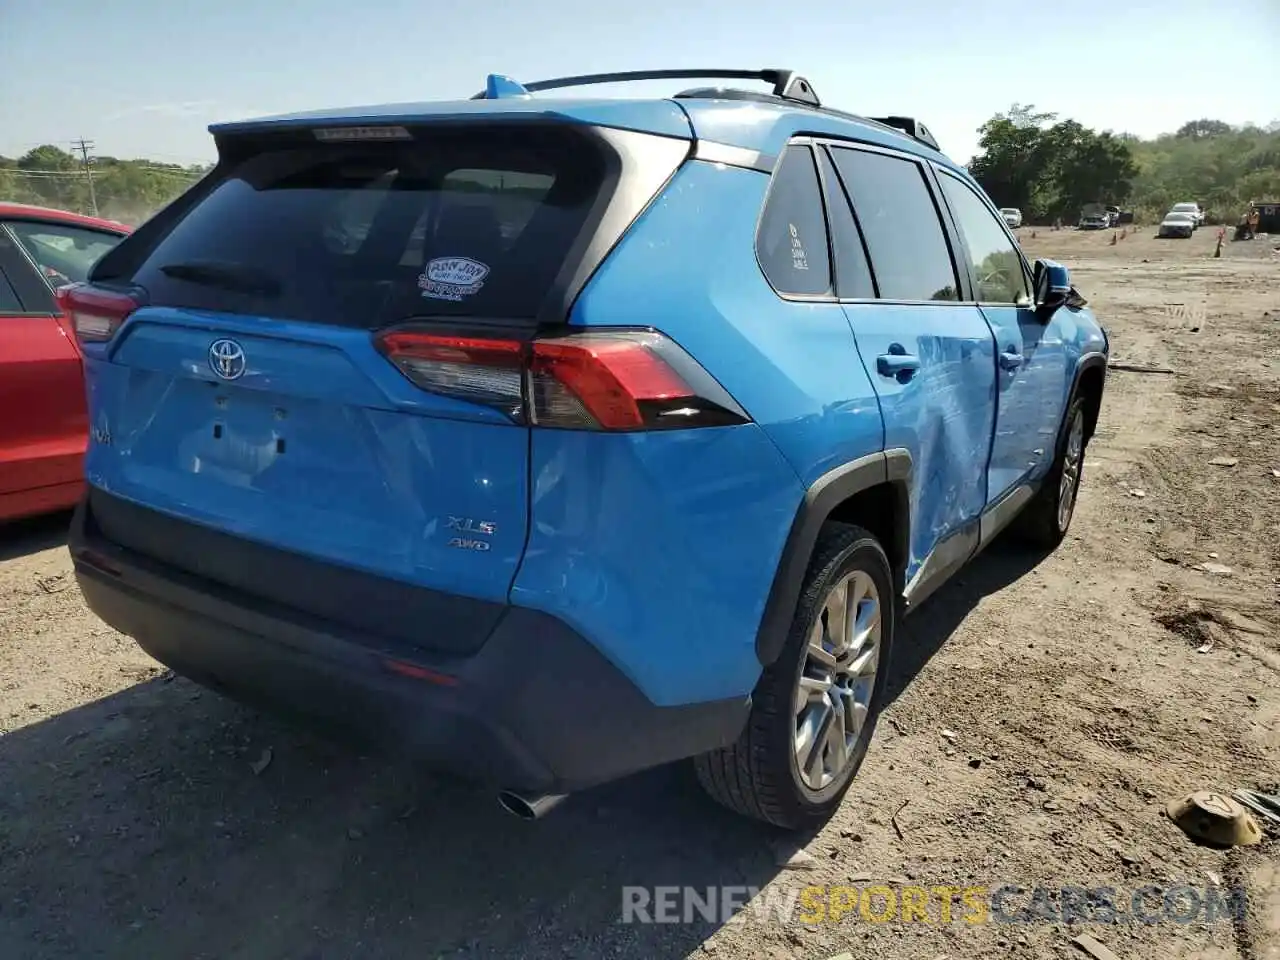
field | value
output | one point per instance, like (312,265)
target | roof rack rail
(912,127)
(787,84)
(788,87)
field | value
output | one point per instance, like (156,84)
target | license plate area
(301,450)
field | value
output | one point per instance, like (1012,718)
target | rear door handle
(896,361)
(1010,360)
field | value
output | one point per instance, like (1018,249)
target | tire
(760,776)
(1044,521)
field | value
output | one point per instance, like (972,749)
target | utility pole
(84,146)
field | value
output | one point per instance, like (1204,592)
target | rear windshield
(474,223)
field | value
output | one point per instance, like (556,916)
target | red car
(43,425)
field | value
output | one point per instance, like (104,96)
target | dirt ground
(1044,711)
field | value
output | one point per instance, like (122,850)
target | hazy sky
(146,77)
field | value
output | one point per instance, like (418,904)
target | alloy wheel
(836,680)
(1069,484)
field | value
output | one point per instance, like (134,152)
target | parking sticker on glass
(452,278)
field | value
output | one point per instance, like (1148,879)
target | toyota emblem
(226,359)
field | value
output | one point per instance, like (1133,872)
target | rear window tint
(465,224)
(791,240)
(896,212)
(853,273)
(9,302)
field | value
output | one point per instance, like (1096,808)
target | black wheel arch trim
(1088,361)
(1095,358)
(820,501)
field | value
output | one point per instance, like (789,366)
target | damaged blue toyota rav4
(549,440)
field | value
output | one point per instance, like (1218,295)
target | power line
(84,147)
(78,174)
(163,172)
(186,160)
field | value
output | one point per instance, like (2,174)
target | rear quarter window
(468,224)
(791,240)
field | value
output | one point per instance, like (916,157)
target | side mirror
(1053,287)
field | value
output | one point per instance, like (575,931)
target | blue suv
(549,440)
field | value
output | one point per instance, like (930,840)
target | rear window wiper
(237,277)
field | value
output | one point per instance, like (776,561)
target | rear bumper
(30,503)
(536,708)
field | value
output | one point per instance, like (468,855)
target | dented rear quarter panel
(664,548)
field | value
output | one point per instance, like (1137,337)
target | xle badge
(467,531)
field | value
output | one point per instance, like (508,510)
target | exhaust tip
(516,805)
(528,808)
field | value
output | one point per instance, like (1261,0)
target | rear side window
(853,274)
(454,224)
(22,287)
(791,241)
(895,208)
(9,302)
(65,254)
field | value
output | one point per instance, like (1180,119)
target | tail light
(607,380)
(95,314)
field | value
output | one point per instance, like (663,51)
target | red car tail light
(468,368)
(607,380)
(95,314)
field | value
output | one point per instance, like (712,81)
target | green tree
(52,177)
(1052,170)
(1025,115)
(1009,167)
(1203,128)
(47,159)
(1222,170)
(1049,171)
(128,190)
(1086,167)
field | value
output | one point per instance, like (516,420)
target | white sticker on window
(799,260)
(452,278)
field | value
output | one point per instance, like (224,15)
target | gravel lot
(1078,692)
